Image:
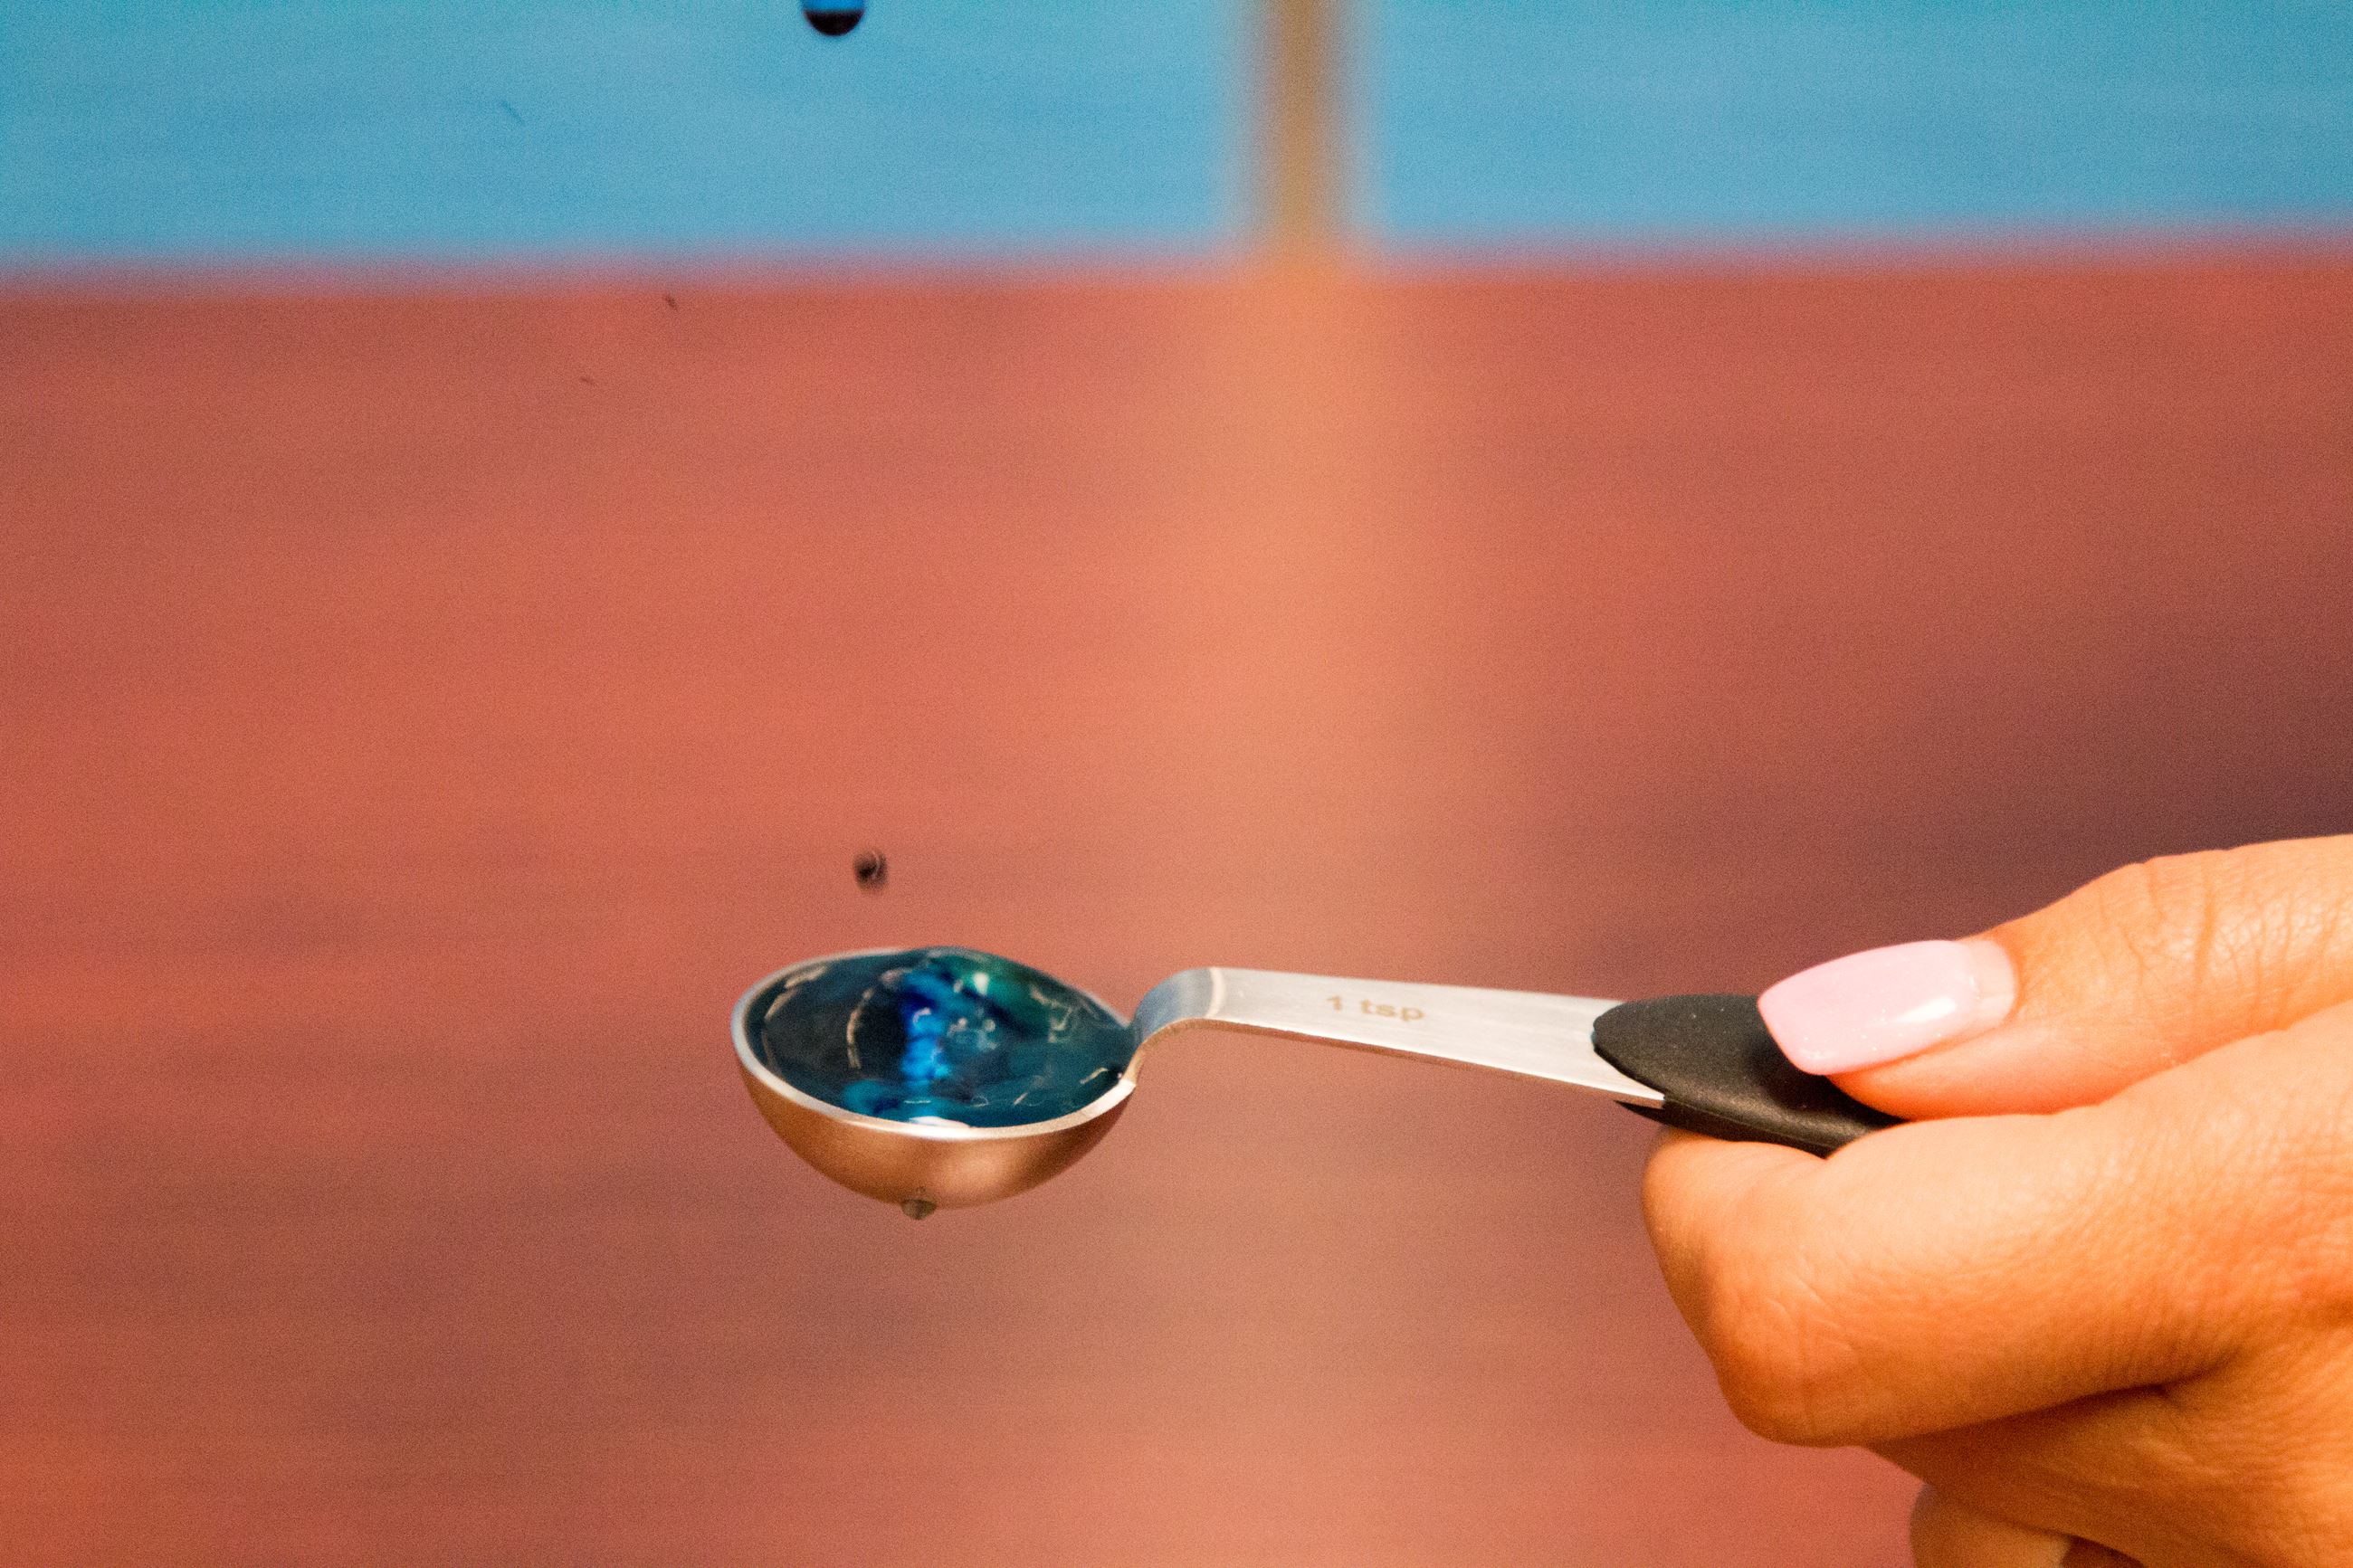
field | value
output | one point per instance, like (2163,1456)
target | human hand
(2124,1317)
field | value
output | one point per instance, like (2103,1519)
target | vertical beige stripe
(1299,175)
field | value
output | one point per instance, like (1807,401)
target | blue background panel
(1533,122)
(230,131)
(474,129)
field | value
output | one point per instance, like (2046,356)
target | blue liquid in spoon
(939,1032)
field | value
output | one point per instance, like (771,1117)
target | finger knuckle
(2161,918)
(2267,921)
(1780,1357)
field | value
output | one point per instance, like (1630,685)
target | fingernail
(1888,1003)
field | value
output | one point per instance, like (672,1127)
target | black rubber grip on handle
(1717,1063)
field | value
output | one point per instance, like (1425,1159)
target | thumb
(2145,968)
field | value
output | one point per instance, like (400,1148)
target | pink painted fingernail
(1889,1001)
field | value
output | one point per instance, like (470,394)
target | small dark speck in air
(510,111)
(672,301)
(872,870)
(833,17)
(587,381)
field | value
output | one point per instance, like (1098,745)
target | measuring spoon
(943,1077)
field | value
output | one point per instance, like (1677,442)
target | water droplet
(834,17)
(940,1035)
(916,1207)
(872,870)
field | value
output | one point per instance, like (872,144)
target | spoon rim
(740,1027)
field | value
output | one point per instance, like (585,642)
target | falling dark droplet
(916,1208)
(834,17)
(872,870)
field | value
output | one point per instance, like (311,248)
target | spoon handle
(1703,1063)
(1720,1074)
(1527,1034)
